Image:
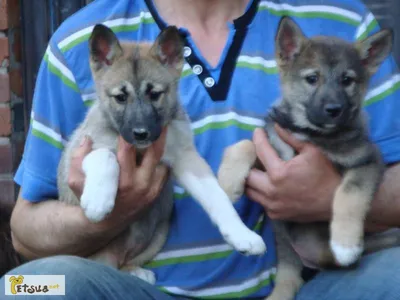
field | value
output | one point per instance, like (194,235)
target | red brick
(3,15)
(4,53)
(5,121)
(6,162)
(4,88)
(16,82)
(7,191)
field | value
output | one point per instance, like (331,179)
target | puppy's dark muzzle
(333,110)
(141,134)
(141,137)
(329,115)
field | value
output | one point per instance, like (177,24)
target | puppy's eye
(154,95)
(347,80)
(121,98)
(312,79)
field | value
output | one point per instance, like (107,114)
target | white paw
(102,170)
(345,256)
(245,241)
(145,275)
(98,201)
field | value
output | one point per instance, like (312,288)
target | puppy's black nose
(333,110)
(140,134)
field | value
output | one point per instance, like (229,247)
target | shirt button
(197,69)
(187,51)
(209,82)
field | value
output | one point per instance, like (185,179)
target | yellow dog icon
(14,282)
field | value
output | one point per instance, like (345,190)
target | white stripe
(186,67)
(364,25)
(110,23)
(312,8)
(194,251)
(261,218)
(92,96)
(179,190)
(59,65)
(383,87)
(199,250)
(227,117)
(257,60)
(226,289)
(46,130)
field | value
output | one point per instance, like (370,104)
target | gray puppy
(136,84)
(324,81)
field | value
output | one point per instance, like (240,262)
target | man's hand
(138,186)
(298,190)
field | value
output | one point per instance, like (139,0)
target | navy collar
(218,91)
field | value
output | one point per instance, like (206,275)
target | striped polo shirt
(225,103)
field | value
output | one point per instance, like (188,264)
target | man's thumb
(85,145)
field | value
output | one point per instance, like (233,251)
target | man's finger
(259,181)
(152,157)
(258,197)
(159,145)
(265,152)
(85,147)
(147,167)
(160,176)
(126,155)
(289,138)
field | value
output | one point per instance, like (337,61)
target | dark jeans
(376,278)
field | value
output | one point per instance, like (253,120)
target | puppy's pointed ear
(168,49)
(104,47)
(288,41)
(374,49)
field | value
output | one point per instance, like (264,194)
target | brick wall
(11,103)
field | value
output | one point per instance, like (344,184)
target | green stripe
(196,257)
(116,28)
(187,73)
(181,196)
(89,102)
(233,295)
(382,95)
(59,74)
(259,67)
(188,259)
(259,225)
(221,125)
(311,14)
(369,29)
(47,138)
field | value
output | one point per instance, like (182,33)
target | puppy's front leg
(101,184)
(350,206)
(197,178)
(236,164)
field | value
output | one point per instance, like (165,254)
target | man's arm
(385,209)
(52,227)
